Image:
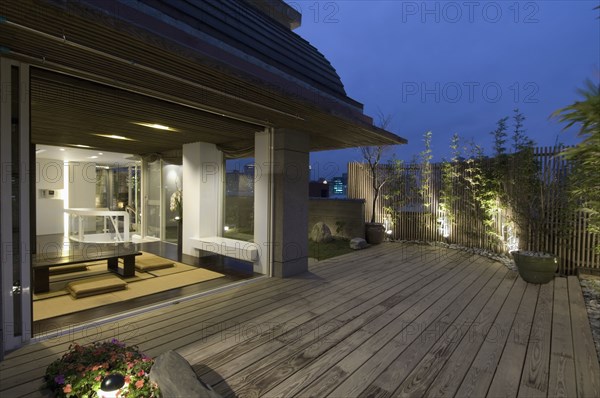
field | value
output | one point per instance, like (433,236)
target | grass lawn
(322,251)
(233,234)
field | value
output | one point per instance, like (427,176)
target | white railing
(77,225)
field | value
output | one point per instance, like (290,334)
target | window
(239,199)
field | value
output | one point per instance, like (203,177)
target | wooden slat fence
(412,210)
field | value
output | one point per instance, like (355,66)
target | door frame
(15,286)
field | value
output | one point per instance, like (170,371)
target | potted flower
(83,369)
(176,206)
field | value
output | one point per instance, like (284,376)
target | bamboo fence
(410,208)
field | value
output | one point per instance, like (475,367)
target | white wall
(81,186)
(203,181)
(51,174)
(49,212)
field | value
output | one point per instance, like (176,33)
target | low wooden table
(83,253)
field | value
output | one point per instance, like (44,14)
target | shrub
(81,370)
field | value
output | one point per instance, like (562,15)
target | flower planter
(535,267)
(375,233)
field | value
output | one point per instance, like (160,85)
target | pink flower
(141,373)
(139,384)
(67,389)
(127,379)
(98,378)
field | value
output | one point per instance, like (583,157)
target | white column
(203,184)
(263,199)
(290,156)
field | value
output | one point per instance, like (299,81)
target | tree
(520,139)
(500,137)
(450,180)
(373,155)
(585,156)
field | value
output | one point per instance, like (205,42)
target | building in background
(338,186)
(318,189)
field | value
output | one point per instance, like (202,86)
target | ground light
(111,385)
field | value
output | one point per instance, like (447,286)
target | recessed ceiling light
(100,153)
(115,137)
(40,150)
(81,146)
(61,149)
(156,126)
(93,157)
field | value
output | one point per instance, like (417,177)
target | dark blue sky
(455,66)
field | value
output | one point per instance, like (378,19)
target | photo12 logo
(317,11)
(470,92)
(525,12)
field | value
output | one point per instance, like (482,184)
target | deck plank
(534,380)
(481,371)
(586,361)
(481,310)
(315,312)
(336,365)
(345,339)
(395,319)
(508,373)
(448,380)
(186,321)
(562,367)
(171,315)
(362,370)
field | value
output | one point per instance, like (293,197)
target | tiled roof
(238,24)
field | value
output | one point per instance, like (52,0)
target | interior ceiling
(101,158)
(67,111)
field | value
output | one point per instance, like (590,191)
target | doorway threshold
(72,329)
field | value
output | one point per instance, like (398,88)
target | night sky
(455,66)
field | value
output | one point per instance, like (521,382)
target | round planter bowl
(535,269)
(375,233)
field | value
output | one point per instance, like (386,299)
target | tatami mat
(59,302)
(177,268)
(62,305)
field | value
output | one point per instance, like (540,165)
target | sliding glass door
(151,213)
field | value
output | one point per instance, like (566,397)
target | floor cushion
(151,264)
(92,286)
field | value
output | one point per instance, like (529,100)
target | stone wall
(344,217)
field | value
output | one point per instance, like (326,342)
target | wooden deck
(392,320)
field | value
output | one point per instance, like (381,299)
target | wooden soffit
(107,52)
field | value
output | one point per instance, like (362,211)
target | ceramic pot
(535,268)
(375,233)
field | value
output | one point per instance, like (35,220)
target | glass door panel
(172,177)
(152,210)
